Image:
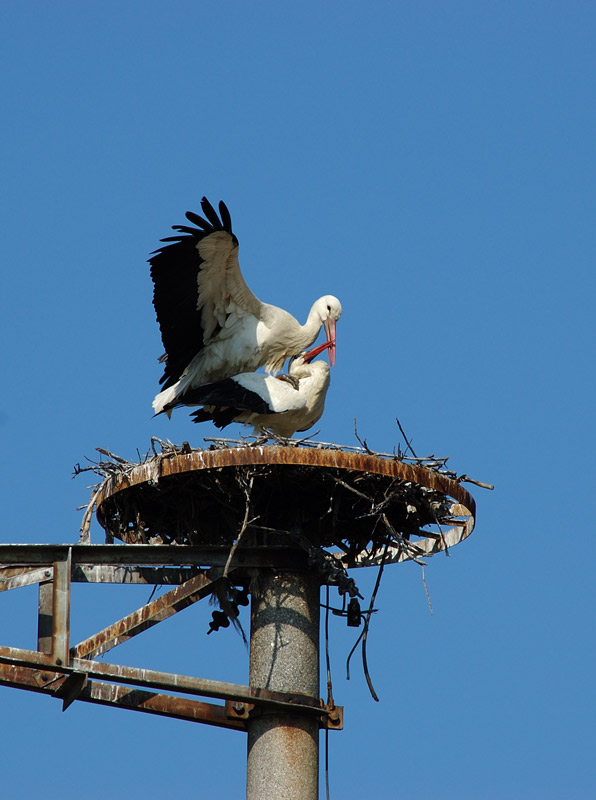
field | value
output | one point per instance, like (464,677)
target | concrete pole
(283,748)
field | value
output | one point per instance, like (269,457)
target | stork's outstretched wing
(198,285)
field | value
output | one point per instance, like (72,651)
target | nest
(350,501)
(344,507)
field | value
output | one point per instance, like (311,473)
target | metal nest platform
(225,522)
(363,508)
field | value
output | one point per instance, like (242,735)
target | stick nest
(347,511)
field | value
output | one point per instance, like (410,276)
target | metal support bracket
(70,674)
(71,688)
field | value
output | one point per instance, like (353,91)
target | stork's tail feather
(165,399)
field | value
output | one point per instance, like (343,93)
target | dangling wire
(364,634)
(155,588)
(330,703)
(366,624)
(327,658)
(356,643)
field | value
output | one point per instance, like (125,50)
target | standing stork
(212,325)
(283,404)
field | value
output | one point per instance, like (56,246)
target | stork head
(329,309)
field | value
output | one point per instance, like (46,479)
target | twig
(245,523)
(85,536)
(410,548)
(112,455)
(465,479)
(351,488)
(430,605)
(403,433)
(362,442)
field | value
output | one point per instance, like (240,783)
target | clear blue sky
(433,165)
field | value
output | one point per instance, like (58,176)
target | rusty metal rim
(166,465)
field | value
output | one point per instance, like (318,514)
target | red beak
(310,354)
(330,333)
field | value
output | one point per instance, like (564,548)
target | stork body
(283,404)
(212,325)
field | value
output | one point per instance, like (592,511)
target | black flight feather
(227,393)
(190,231)
(196,220)
(226,219)
(211,214)
(219,416)
(174,269)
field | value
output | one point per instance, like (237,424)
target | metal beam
(109,694)
(16,577)
(22,576)
(71,688)
(45,616)
(118,673)
(31,555)
(145,617)
(71,674)
(61,610)
(105,573)
(232,715)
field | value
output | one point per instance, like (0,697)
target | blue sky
(433,165)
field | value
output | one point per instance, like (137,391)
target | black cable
(330,702)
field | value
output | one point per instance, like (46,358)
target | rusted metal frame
(199,686)
(66,687)
(110,694)
(232,715)
(145,617)
(117,673)
(104,573)
(332,716)
(14,578)
(254,456)
(61,610)
(161,704)
(139,555)
(45,616)
(53,625)
(29,678)
(423,548)
(70,689)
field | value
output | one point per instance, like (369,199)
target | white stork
(283,404)
(212,326)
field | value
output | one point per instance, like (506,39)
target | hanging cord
(330,701)
(363,636)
